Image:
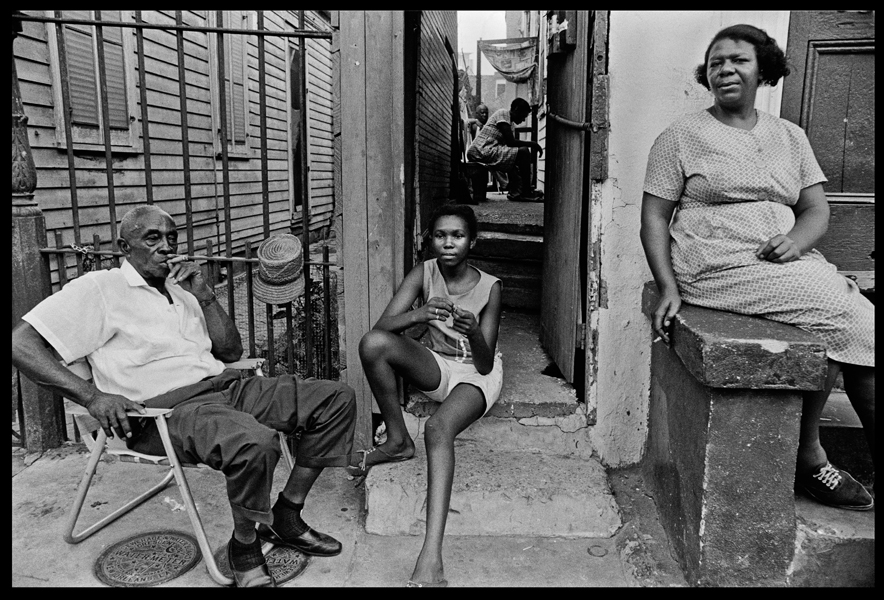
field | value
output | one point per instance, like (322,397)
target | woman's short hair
(455,210)
(771,59)
(520,103)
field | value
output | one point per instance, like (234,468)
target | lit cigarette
(657,339)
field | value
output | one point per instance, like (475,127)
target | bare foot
(428,571)
(386,452)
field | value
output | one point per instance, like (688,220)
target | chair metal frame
(117,447)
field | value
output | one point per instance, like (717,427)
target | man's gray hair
(129,222)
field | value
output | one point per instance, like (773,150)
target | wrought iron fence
(286,334)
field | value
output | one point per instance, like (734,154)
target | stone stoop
(525,468)
(510,246)
(833,547)
(496,492)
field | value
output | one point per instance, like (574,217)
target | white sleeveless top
(442,338)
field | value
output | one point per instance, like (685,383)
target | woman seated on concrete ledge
(751,207)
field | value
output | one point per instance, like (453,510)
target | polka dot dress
(735,189)
(489,147)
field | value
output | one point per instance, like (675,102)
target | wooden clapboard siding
(434,99)
(319,130)
(33,63)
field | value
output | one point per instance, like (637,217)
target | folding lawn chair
(117,447)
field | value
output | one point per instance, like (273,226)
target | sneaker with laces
(834,487)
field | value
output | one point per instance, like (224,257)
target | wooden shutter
(81,70)
(234,84)
(116,76)
(82,75)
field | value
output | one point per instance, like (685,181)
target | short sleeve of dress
(499,116)
(810,171)
(665,174)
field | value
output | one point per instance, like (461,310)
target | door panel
(831,95)
(566,198)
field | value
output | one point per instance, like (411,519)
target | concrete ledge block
(727,350)
(721,463)
(496,493)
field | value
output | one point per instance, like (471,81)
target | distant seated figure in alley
(497,147)
(751,207)
(155,335)
(475,125)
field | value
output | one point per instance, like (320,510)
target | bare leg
(464,405)
(859,383)
(810,452)
(385,355)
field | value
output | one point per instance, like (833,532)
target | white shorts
(454,373)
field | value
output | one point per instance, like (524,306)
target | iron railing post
(42,429)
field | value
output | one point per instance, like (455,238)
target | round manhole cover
(147,559)
(285,563)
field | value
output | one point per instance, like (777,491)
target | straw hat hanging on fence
(280,269)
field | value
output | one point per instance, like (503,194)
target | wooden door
(831,95)
(565,208)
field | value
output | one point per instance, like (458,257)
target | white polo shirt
(139,345)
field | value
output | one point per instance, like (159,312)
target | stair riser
(528,270)
(506,248)
(847,448)
(567,438)
(826,561)
(519,228)
(507,406)
(521,280)
(521,298)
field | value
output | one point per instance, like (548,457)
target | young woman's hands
(465,322)
(436,309)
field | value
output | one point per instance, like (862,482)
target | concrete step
(833,547)
(841,434)
(508,269)
(496,492)
(514,246)
(499,214)
(521,280)
(527,392)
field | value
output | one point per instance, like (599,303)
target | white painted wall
(652,56)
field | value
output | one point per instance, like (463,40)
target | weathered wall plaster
(652,56)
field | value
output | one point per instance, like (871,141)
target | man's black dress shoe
(257,577)
(310,542)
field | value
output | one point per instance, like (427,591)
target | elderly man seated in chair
(154,334)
